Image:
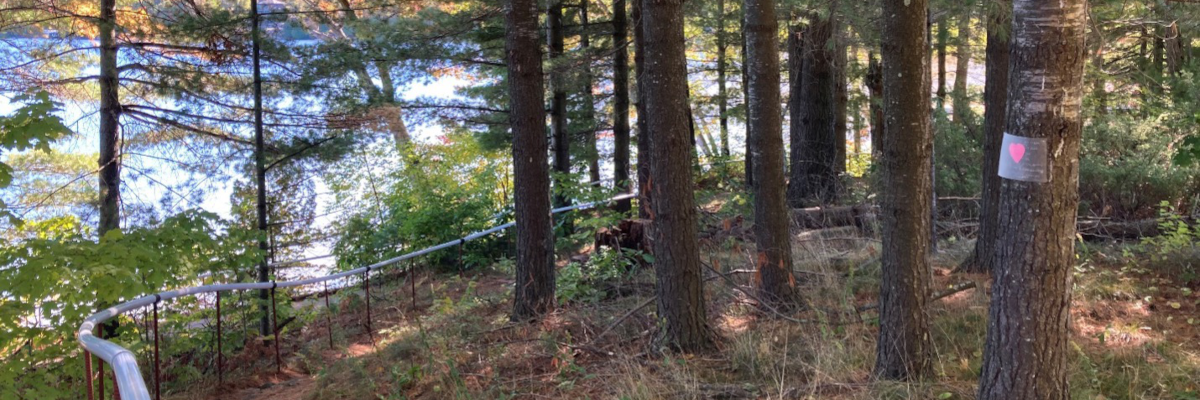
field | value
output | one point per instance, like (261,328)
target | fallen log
(1094,230)
(829,217)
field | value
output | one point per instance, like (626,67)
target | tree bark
(679,284)
(874,82)
(621,103)
(589,106)
(796,35)
(943,35)
(1025,354)
(749,162)
(814,182)
(722,93)
(643,135)
(776,283)
(643,130)
(904,348)
(1173,47)
(260,170)
(533,294)
(110,116)
(558,103)
(995,98)
(841,97)
(962,65)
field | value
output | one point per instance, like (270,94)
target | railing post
(328,314)
(461,267)
(367,283)
(220,354)
(412,282)
(87,373)
(275,327)
(100,365)
(157,363)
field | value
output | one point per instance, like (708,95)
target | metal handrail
(124,364)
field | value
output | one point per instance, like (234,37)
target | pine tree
(904,348)
(534,290)
(1026,350)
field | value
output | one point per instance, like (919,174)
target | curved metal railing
(130,382)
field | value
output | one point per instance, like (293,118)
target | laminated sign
(1024,159)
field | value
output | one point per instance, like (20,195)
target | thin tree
(771,227)
(841,99)
(874,83)
(534,291)
(679,283)
(904,348)
(643,130)
(962,64)
(260,167)
(621,102)
(110,115)
(1025,353)
(995,97)
(749,162)
(943,35)
(589,101)
(722,66)
(558,101)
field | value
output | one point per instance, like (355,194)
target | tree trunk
(904,349)
(558,103)
(679,283)
(1025,354)
(943,35)
(533,294)
(589,106)
(722,93)
(260,169)
(771,223)
(995,98)
(841,97)
(1173,46)
(874,82)
(749,162)
(110,116)
(815,181)
(621,103)
(962,65)
(643,130)
(797,34)
(110,140)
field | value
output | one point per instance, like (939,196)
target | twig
(624,317)
(936,295)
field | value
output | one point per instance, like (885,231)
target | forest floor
(1136,334)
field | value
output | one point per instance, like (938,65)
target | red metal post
(328,314)
(275,327)
(220,355)
(100,365)
(367,283)
(157,363)
(87,372)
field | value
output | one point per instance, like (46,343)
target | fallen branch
(954,289)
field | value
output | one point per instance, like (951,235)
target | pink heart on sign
(1017,151)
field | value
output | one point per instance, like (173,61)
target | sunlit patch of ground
(459,343)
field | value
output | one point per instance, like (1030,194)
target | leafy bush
(432,194)
(59,276)
(958,157)
(1126,167)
